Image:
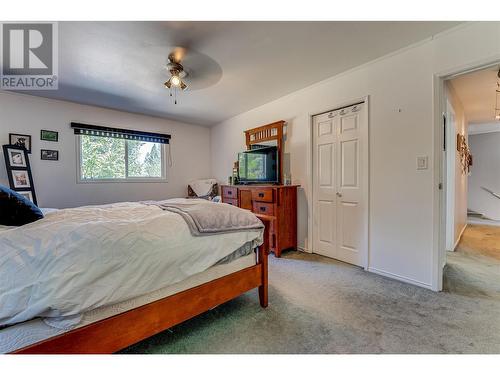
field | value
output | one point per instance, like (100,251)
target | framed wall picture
(21,140)
(16,158)
(49,155)
(20,178)
(49,135)
(19,171)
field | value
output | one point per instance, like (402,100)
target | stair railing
(491,192)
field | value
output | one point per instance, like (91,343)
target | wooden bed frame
(120,331)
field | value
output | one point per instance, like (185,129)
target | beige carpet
(473,269)
(319,305)
(481,240)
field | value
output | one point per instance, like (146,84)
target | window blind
(135,135)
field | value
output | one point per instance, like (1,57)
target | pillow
(16,210)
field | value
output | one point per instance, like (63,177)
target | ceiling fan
(190,68)
(177,72)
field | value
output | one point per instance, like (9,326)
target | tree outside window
(104,158)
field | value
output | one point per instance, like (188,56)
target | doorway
(340,183)
(471,258)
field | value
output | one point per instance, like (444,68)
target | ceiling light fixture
(175,82)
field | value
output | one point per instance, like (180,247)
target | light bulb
(175,80)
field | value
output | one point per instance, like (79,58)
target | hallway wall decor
(464,154)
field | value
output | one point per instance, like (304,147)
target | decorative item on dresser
(278,202)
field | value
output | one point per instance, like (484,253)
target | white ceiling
(477,92)
(120,65)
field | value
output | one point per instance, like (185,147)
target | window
(113,158)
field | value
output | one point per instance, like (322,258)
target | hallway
(473,269)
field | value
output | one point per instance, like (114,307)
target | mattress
(77,260)
(30,332)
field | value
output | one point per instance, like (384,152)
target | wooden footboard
(120,331)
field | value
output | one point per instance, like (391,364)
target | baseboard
(399,278)
(459,237)
(303,249)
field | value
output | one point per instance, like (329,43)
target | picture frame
(16,158)
(20,178)
(21,140)
(49,135)
(19,171)
(27,194)
(52,155)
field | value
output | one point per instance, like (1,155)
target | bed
(213,273)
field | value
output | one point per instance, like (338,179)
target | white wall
(460,178)
(400,87)
(55,182)
(485,149)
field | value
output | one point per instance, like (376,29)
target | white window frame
(81,180)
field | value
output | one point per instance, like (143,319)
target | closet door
(340,181)
(350,206)
(325,184)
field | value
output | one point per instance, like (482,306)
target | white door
(325,184)
(340,180)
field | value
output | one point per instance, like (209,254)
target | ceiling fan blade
(202,70)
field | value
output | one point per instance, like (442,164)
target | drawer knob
(263,209)
(261,195)
(229,192)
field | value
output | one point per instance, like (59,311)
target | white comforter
(75,260)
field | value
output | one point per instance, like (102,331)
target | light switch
(422,162)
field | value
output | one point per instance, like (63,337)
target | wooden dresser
(277,201)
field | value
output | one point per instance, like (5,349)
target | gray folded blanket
(207,218)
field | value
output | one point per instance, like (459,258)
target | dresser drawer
(231,201)
(263,208)
(230,192)
(264,195)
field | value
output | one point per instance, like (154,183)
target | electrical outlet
(422,162)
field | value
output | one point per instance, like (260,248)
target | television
(259,165)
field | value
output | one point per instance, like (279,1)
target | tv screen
(259,165)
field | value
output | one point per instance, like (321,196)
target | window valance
(135,135)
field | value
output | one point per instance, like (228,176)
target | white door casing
(340,184)
(449,159)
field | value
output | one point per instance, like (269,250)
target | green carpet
(319,305)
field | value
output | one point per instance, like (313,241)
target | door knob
(339,195)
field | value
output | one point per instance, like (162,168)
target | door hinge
(440,186)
